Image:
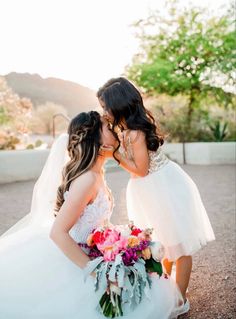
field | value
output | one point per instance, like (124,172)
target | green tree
(186,52)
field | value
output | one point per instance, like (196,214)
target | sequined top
(157,160)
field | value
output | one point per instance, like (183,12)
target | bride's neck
(98,165)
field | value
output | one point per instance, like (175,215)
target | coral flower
(90,241)
(133,241)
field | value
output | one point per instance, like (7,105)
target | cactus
(219,130)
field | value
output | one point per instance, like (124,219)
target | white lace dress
(37,281)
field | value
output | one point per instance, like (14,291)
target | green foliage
(186,52)
(34,145)
(172,114)
(231,136)
(8,141)
(38,143)
(4,119)
(185,46)
(219,131)
(30,147)
(175,125)
(107,307)
(153,266)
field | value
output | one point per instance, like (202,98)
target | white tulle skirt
(37,281)
(169,201)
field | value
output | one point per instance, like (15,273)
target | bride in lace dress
(41,263)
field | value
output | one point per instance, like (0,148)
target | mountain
(74,97)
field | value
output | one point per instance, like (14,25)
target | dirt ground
(212,290)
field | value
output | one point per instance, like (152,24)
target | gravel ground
(212,289)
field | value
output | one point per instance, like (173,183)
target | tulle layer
(169,201)
(39,282)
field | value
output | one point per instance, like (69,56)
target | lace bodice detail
(94,215)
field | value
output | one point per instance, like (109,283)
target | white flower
(179,72)
(124,230)
(182,63)
(157,250)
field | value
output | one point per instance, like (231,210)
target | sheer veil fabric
(45,190)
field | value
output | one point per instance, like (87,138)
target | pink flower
(110,253)
(111,237)
(113,244)
(122,243)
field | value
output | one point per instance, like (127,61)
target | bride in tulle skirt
(41,263)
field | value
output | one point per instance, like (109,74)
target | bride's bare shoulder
(85,180)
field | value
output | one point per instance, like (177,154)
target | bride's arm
(81,192)
(139,164)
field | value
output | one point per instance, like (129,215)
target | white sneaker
(185,308)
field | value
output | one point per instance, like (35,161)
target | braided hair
(83,147)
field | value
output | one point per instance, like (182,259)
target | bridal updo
(83,147)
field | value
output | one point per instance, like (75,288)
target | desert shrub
(8,141)
(42,118)
(14,116)
(210,122)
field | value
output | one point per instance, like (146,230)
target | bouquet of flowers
(122,257)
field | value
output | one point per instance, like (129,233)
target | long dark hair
(123,100)
(83,147)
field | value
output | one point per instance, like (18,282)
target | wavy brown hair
(83,147)
(123,100)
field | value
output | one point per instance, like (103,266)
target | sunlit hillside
(74,97)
